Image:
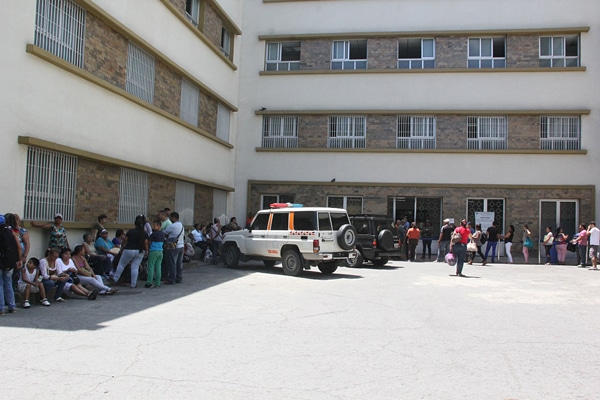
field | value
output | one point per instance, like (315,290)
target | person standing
(459,249)
(493,235)
(560,243)
(134,246)
(426,234)
(174,245)
(594,240)
(58,233)
(413,234)
(444,241)
(548,240)
(526,240)
(477,239)
(97,229)
(216,239)
(11,260)
(508,241)
(582,243)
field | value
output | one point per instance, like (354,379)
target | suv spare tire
(346,237)
(385,240)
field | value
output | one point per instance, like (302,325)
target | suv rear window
(304,221)
(324,222)
(339,219)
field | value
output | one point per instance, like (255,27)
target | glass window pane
(414,48)
(500,63)
(271,67)
(272,51)
(572,44)
(429,64)
(290,51)
(403,48)
(338,50)
(499,48)
(403,64)
(545,62)
(473,47)
(427,47)
(486,47)
(557,47)
(336,65)
(545,46)
(473,64)
(572,62)
(486,63)
(558,62)
(417,64)
(358,49)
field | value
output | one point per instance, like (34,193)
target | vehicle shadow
(313,273)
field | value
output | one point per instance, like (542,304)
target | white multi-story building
(220,107)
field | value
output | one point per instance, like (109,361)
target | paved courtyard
(405,331)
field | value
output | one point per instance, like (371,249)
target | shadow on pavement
(78,313)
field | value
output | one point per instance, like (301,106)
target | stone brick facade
(167,89)
(98,186)
(382,53)
(523,131)
(315,55)
(208,114)
(213,25)
(522,51)
(105,52)
(451,51)
(521,203)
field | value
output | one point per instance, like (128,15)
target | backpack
(9,252)
(483,238)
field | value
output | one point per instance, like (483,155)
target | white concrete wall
(458,91)
(46,102)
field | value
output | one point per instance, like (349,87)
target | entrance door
(559,213)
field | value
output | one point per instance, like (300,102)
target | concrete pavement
(404,331)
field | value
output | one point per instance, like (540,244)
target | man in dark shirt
(493,235)
(444,241)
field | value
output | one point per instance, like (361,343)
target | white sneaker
(26,304)
(45,302)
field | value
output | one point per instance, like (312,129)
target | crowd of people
(99,264)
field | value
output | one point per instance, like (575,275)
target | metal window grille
(190,98)
(347,132)
(280,131)
(223,122)
(184,201)
(60,29)
(487,133)
(133,195)
(50,185)
(140,73)
(415,132)
(560,133)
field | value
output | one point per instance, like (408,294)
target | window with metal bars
(60,29)
(347,132)
(190,98)
(280,131)
(140,73)
(133,195)
(50,182)
(415,132)
(184,201)
(560,132)
(487,133)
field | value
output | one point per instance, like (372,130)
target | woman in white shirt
(64,265)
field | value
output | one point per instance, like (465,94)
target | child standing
(30,282)
(155,255)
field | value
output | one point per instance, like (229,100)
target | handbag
(528,243)
(471,247)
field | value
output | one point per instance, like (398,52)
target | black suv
(376,241)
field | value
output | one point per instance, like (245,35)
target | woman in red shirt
(459,249)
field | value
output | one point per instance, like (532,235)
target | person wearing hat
(58,233)
(444,240)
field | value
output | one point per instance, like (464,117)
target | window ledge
(424,151)
(422,71)
(59,62)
